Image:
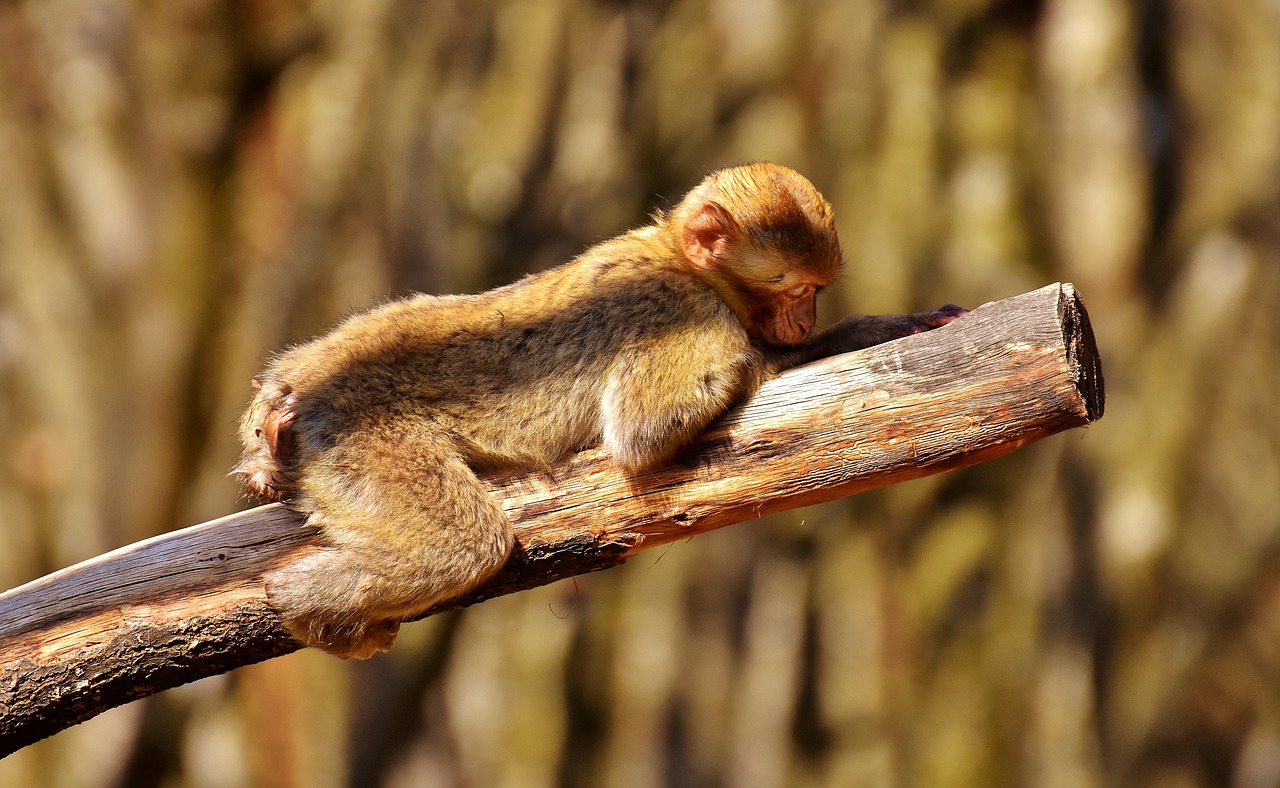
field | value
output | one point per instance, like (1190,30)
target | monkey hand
(862,331)
(937,318)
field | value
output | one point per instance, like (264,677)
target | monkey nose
(792,334)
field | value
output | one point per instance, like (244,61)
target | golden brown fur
(375,430)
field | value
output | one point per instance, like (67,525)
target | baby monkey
(376,430)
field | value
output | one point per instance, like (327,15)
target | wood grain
(191,603)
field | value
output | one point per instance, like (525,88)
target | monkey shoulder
(660,290)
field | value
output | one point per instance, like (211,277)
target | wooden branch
(191,603)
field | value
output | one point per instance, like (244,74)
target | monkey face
(782,315)
(776,299)
(792,316)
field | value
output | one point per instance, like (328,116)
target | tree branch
(191,603)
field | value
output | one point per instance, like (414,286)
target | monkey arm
(858,332)
(656,401)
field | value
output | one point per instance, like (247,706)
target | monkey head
(765,239)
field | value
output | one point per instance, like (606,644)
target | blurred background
(186,186)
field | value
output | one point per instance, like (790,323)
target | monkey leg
(408,525)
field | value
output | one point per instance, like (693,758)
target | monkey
(377,430)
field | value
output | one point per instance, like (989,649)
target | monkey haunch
(376,429)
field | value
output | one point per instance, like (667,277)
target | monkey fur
(375,431)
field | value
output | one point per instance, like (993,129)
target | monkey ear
(706,235)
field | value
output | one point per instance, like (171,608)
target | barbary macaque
(376,430)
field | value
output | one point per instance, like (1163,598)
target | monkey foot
(347,640)
(359,641)
(268,484)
